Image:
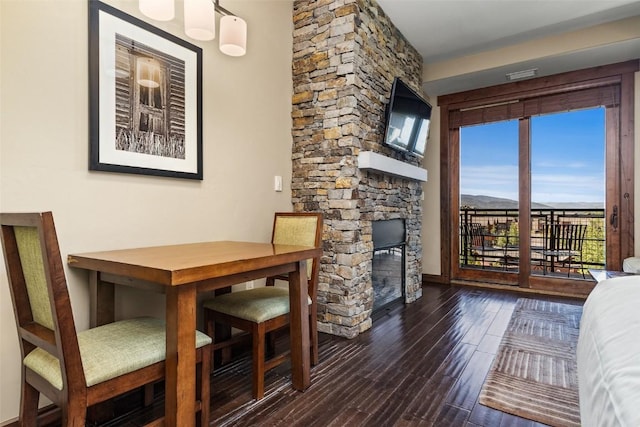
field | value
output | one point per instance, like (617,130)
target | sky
(567,158)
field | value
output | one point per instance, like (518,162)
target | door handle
(614,217)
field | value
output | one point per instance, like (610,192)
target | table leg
(180,388)
(222,333)
(101,300)
(299,318)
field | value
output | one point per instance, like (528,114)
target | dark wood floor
(420,364)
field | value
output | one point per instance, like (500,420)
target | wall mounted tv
(408,117)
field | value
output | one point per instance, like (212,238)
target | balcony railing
(489,239)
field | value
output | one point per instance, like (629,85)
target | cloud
(558,165)
(502,181)
(502,174)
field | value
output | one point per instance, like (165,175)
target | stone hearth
(346,55)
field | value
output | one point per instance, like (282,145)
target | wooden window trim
(565,82)
(517,109)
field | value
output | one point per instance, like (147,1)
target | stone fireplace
(346,55)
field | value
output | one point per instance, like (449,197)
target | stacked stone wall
(346,55)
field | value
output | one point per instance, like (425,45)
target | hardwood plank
(465,393)
(426,404)
(501,321)
(479,329)
(489,344)
(484,416)
(509,420)
(452,416)
(349,417)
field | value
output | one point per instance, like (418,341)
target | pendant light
(160,10)
(233,35)
(200,19)
(199,22)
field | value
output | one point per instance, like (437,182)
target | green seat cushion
(111,350)
(255,305)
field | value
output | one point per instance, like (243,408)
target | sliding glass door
(489,196)
(568,193)
(544,175)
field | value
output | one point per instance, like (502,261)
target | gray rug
(534,373)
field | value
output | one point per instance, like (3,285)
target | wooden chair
(475,238)
(263,310)
(563,245)
(77,370)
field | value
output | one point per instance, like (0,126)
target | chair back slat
(579,233)
(565,237)
(474,235)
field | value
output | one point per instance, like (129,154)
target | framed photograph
(145,97)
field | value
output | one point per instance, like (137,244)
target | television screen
(408,118)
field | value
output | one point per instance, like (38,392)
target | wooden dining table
(181,272)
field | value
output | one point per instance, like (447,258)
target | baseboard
(434,278)
(443,280)
(514,288)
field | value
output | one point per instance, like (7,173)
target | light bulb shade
(148,72)
(233,35)
(200,19)
(160,10)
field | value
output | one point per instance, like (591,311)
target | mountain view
(489,202)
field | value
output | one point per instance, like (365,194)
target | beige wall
(431,189)
(627,29)
(44,149)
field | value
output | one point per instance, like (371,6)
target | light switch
(277,183)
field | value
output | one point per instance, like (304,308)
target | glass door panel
(488,197)
(568,193)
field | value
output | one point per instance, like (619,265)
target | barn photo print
(149,100)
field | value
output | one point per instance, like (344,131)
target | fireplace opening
(388,267)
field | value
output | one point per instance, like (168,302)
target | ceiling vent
(517,75)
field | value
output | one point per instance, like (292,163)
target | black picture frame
(145,97)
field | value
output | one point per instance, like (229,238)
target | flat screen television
(407,119)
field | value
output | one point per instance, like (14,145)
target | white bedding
(608,354)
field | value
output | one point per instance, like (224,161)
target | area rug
(534,374)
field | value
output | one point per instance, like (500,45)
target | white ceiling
(446,29)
